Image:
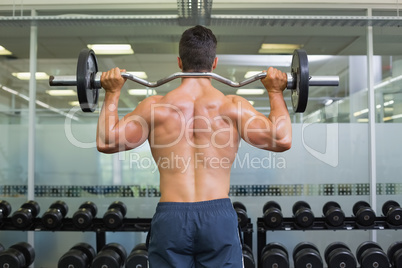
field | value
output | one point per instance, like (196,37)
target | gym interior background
(346,146)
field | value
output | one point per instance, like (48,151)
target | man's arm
(114,135)
(273,133)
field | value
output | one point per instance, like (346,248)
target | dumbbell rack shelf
(129,225)
(320,223)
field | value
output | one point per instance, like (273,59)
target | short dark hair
(197,49)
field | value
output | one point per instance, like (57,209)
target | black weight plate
(51,218)
(239,205)
(87,67)
(333,246)
(335,216)
(87,249)
(11,258)
(120,206)
(393,248)
(328,205)
(301,246)
(388,205)
(27,250)
(273,217)
(91,206)
(142,246)
(304,218)
(394,216)
(119,249)
(107,258)
(5,208)
(248,260)
(374,258)
(359,205)
(113,218)
(275,258)
(341,258)
(74,258)
(298,205)
(271,204)
(33,206)
(363,247)
(275,245)
(300,74)
(138,259)
(366,216)
(60,205)
(308,258)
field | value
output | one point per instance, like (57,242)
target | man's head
(197,50)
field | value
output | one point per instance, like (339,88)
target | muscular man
(195,224)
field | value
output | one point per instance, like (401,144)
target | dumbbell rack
(320,223)
(129,225)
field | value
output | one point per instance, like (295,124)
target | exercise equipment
(272,214)
(393,212)
(303,214)
(364,214)
(112,255)
(274,255)
(55,214)
(88,82)
(241,212)
(369,254)
(248,258)
(80,255)
(394,254)
(5,209)
(333,213)
(83,217)
(19,255)
(338,255)
(306,254)
(138,257)
(113,217)
(24,216)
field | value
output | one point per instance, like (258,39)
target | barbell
(88,81)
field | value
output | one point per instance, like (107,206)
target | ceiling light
(61,92)
(142,75)
(251,102)
(142,92)
(112,49)
(251,73)
(27,75)
(278,48)
(328,102)
(4,51)
(250,91)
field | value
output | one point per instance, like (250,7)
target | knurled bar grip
(313,80)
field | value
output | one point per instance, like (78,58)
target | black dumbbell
(55,214)
(80,255)
(248,258)
(5,209)
(20,255)
(112,255)
(83,217)
(338,255)
(394,254)
(241,212)
(113,217)
(272,214)
(370,255)
(303,214)
(306,254)
(24,216)
(274,255)
(333,213)
(138,257)
(393,212)
(364,214)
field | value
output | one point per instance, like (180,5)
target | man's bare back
(194,132)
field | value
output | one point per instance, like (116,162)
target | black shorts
(199,234)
